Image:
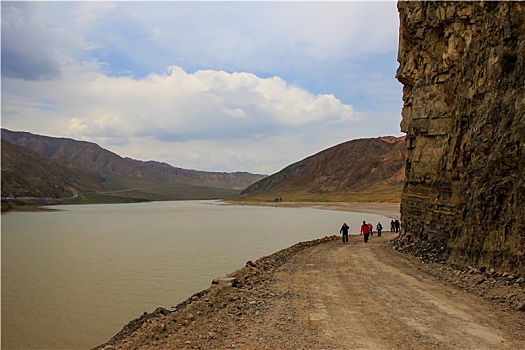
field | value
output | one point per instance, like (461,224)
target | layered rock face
(462,65)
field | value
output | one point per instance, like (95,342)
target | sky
(212,86)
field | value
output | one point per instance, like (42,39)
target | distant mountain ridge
(371,169)
(42,166)
(95,158)
(107,170)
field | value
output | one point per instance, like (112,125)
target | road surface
(336,296)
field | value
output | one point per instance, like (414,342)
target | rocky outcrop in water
(462,65)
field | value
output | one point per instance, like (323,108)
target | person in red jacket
(365,230)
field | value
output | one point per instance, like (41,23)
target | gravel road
(331,296)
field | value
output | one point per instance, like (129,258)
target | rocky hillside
(358,170)
(462,65)
(28,174)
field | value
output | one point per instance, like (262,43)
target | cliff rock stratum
(462,65)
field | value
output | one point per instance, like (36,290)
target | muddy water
(74,278)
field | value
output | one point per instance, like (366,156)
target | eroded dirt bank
(326,295)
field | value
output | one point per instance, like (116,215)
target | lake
(72,279)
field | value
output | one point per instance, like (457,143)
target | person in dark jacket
(379,229)
(344,230)
(397,225)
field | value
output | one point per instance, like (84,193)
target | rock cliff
(462,65)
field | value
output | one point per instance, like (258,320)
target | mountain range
(41,166)
(71,171)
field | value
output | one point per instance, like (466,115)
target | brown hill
(28,174)
(35,166)
(359,170)
(92,157)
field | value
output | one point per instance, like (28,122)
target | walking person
(397,225)
(392,226)
(371,229)
(344,230)
(379,228)
(365,231)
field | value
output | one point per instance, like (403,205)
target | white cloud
(206,85)
(336,29)
(176,107)
(87,13)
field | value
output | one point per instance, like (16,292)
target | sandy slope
(327,295)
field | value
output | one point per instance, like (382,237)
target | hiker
(392,226)
(379,229)
(344,230)
(397,225)
(371,229)
(365,231)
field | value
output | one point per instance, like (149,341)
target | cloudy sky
(218,86)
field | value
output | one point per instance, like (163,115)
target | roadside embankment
(320,293)
(217,298)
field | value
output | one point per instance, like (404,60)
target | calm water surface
(72,279)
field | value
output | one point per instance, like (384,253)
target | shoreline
(257,272)
(253,273)
(216,317)
(390,210)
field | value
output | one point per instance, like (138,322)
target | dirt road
(357,298)
(335,296)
